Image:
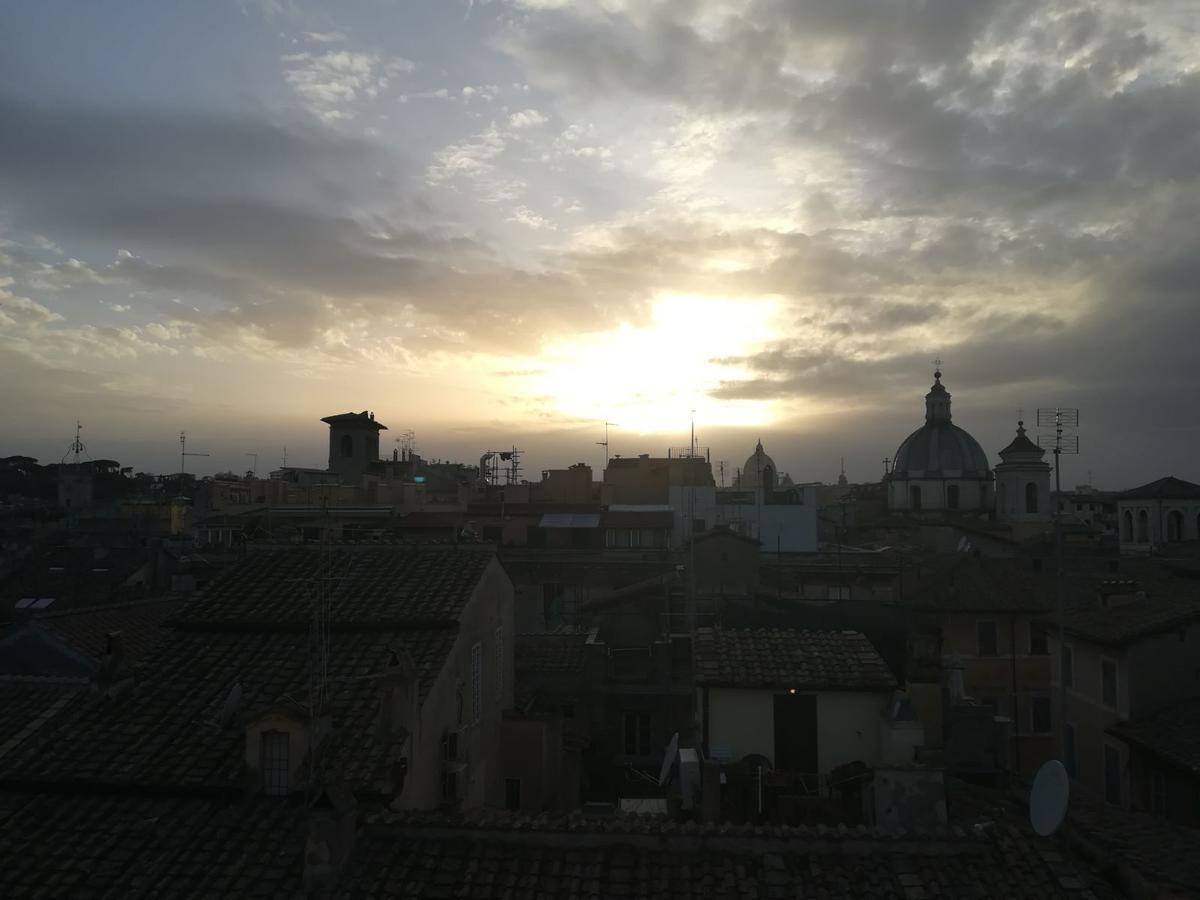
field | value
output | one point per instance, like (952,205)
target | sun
(649,378)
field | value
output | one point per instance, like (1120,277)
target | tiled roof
(84,629)
(786,658)
(398,586)
(1169,488)
(1172,734)
(27,704)
(626,857)
(1166,855)
(550,652)
(165,730)
(1127,623)
(112,846)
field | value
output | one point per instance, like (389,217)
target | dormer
(279,743)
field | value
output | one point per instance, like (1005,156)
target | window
(449,787)
(275,768)
(568,711)
(1127,526)
(1143,527)
(637,734)
(1078,507)
(512,793)
(697,526)
(1031,498)
(476,683)
(1039,645)
(1158,792)
(347,446)
(1174,525)
(1039,709)
(987,639)
(1069,749)
(952,497)
(1112,775)
(1068,666)
(914,494)
(450,746)
(1108,682)
(500,663)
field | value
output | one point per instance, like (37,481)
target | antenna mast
(604,444)
(254,456)
(184,452)
(1060,419)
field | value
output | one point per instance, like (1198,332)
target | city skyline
(507,222)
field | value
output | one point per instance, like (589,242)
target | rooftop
(363,419)
(396,586)
(788,658)
(120,846)
(1173,734)
(1129,622)
(1169,488)
(83,633)
(167,729)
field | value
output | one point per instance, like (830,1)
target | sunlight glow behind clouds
(648,378)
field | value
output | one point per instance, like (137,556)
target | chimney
(332,821)
(113,658)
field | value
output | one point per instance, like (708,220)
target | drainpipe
(1016,706)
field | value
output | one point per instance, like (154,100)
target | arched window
(952,496)
(914,496)
(1127,527)
(1174,525)
(347,446)
(1031,493)
(1143,529)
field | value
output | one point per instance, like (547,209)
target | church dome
(939,448)
(760,470)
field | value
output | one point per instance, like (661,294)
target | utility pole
(1060,418)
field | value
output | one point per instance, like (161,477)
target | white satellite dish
(1048,799)
(669,759)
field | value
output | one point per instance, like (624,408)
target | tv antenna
(1060,418)
(408,443)
(604,443)
(1049,798)
(253,456)
(184,453)
(77,448)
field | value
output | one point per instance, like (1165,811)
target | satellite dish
(1048,799)
(669,759)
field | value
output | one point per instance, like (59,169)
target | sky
(505,223)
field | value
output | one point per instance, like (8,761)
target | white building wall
(743,722)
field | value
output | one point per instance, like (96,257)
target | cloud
(526,118)
(330,83)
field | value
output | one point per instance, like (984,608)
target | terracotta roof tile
(398,586)
(787,658)
(165,731)
(1172,734)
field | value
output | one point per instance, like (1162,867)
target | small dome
(759,471)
